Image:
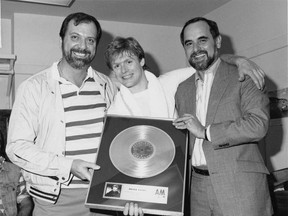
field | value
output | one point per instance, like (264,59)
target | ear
(142,62)
(218,41)
(60,43)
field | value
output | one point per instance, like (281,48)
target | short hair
(121,45)
(213,27)
(80,18)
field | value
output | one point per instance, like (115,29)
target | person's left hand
(247,67)
(132,209)
(191,123)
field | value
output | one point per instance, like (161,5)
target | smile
(128,76)
(79,54)
(199,56)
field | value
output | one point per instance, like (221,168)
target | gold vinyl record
(142,151)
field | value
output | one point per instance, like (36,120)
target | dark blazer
(239,117)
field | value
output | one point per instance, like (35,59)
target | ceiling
(156,12)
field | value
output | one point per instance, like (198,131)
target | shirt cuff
(65,169)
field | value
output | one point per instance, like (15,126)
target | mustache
(84,51)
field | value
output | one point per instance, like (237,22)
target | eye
(115,66)
(203,41)
(91,41)
(188,44)
(74,37)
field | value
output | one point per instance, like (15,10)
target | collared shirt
(204,81)
(84,110)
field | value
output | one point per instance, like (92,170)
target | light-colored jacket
(36,135)
(238,115)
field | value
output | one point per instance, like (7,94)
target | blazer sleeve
(251,122)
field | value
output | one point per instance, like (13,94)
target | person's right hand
(132,209)
(83,169)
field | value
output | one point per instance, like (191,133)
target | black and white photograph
(143,107)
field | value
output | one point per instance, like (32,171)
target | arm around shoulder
(246,67)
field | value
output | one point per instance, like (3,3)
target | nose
(123,68)
(82,44)
(195,47)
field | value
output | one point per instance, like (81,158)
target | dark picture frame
(160,194)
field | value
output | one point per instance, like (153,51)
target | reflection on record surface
(142,151)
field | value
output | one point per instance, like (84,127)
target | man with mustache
(226,119)
(57,120)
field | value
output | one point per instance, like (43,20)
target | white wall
(6,48)
(36,43)
(258,29)
(6,37)
(36,39)
(160,42)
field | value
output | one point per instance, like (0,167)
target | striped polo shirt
(84,110)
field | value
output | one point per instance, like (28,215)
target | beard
(202,64)
(76,62)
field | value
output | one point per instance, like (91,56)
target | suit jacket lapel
(193,96)
(191,93)
(188,99)
(219,85)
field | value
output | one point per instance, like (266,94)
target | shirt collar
(56,73)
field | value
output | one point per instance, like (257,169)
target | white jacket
(36,135)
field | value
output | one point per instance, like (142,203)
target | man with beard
(57,119)
(226,119)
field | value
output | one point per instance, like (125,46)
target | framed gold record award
(142,160)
